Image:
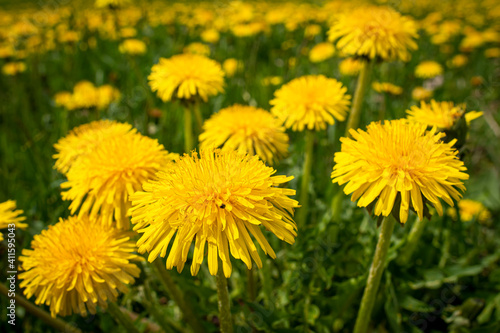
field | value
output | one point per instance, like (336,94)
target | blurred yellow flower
(100,181)
(112,3)
(421,93)
(215,197)
(210,36)
(442,115)
(428,69)
(350,66)
(395,161)
(247,129)
(132,46)
(83,139)
(387,87)
(312,30)
(187,76)
(13,68)
(311,102)
(231,66)
(85,95)
(470,209)
(374,32)
(272,81)
(321,52)
(493,52)
(128,32)
(77,264)
(458,61)
(9,215)
(197,48)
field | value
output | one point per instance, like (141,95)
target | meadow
(65,64)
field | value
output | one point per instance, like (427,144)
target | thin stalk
(56,323)
(359,95)
(225,318)
(375,275)
(353,123)
(121,318)
(251,285)
(198,116)
(188,130)
(407,251)
(178,297)
(306,178)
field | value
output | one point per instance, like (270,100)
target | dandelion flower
(311,102)
(387,87)
(101,180)
(458,61)
(77,264)
(231,66)
(428,69)
(83,139)
(9,215)
(493,52)
(210,36)
(13,68)
(443,115)
(374,32)
(469,209)
(395,161)
(421,93)
(215,197)
(197,48)
(186,76)
(111,3)
(247,129)
(321,52)
(350,66)
(272,81)
(132,46)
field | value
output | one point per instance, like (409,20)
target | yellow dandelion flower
(421,93)
(219,198)
(101,180)
(469,209)
(395,161)
(247,129)
(128,32)
(458,61)
(387,87)
(210,36)
(428,69)
(64,99)
(231,66)
(186,76)
(105,95)
(374,32)
(321,52)
(83,139)
(311,102)
(197,48)
(111,3)
(77,264)
(9,215)
(132,46)
(13,68)
(350,66)
(272,81)
(493,52)
(312,30)
(442,115)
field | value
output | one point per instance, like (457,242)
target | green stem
(375,275)
(225,318)
(407,251)
(198,116)
(178,296)
(251,285)
(188,130)
(121,318)
(56,323)
(306,177)
(359,95)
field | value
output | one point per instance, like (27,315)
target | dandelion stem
(251,285)
(121,318)
(198,116)
(407,251)
(225,318)
(375,275)
(56,323)
(353,123)
(188,130)
(306,177)
(178,296)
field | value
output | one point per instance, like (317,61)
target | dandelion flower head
(9,215)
